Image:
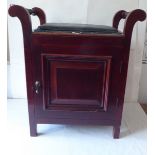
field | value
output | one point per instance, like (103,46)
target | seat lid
(76,28)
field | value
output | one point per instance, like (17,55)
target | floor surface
(75,139)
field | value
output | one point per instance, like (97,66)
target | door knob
(36,87)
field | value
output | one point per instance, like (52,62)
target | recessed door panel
(75,82)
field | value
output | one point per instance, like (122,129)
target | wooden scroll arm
(25,19)
(118,16)
(38,12)
(24,16)
(130,19)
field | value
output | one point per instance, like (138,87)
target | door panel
(72,82)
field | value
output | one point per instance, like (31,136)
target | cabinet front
(72,82)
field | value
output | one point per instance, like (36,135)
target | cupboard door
(72,82)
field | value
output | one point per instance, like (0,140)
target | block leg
(33,130)
(116,132)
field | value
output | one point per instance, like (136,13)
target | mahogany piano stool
(76,73)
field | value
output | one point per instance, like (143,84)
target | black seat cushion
(76,28)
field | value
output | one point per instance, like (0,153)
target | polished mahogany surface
(73,77)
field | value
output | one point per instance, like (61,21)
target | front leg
(33,129)
(116,132)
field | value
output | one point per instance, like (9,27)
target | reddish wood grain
(103,57)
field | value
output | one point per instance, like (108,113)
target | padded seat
(76,28)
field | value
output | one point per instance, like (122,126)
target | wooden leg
(32,122)
(33,130)
(116,132)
